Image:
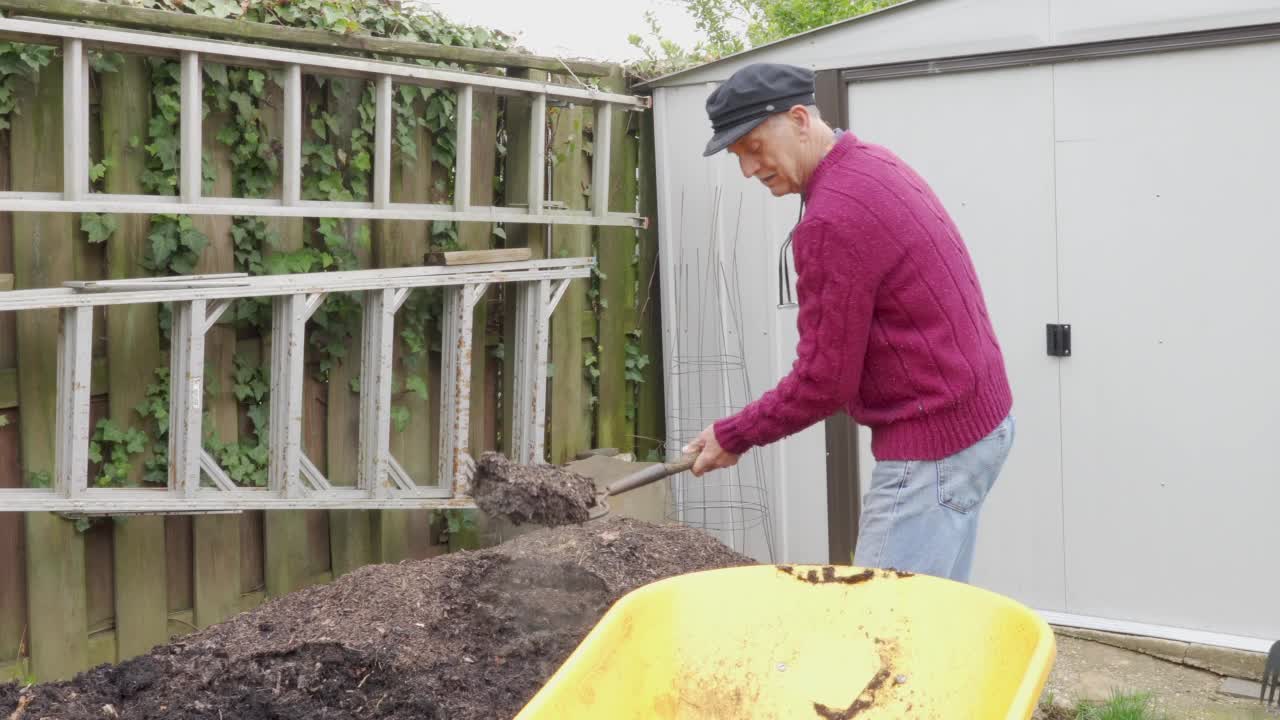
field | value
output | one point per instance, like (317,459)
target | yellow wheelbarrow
(788,642)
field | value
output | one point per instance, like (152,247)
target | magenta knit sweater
(893,325)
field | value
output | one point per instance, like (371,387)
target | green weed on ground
(1121,706)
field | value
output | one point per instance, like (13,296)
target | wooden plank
(314,439)
(75,353)
(516,175)
(8,320)
(401,244)
(9,381)
(216,576)
(100,605)
(477,257)
(168,204)
(651,421)
(290,119)
(75,119)
(535,190)
(252,551)
(569,420)
(285,540)
(215,543)
(133,354)
(180,583)
(168,22)
(350,531)
(13,570)
(462,147)
(189,165)
(616,250)
(278,115)
(478,238)
(382,142)
(284,536)
(45,257)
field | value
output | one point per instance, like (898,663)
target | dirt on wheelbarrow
(465,635)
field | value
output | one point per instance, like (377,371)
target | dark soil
(466,635)
(541,494)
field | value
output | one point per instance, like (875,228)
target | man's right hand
(710,455)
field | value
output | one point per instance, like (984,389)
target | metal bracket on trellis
(198,301)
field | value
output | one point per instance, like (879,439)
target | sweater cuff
(731,433)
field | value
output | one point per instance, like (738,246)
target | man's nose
(749,167)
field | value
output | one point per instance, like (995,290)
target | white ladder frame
(77,196)
(294,482)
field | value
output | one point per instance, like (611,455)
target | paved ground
(1092,671)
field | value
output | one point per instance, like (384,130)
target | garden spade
(639,479)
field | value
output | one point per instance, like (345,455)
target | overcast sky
(573,28)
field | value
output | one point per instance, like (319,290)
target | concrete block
(1226,661)
(1235,687)
(1171,650)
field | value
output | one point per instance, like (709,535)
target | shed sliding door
(1168,189)
(984,142)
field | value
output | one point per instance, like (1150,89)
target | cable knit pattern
(893,326)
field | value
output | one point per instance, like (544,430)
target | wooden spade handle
(648,475)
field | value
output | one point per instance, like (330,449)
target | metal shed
(1114,168)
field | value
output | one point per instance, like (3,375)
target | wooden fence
(76,593)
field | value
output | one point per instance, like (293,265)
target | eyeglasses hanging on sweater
(785,299)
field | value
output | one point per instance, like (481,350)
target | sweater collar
(844,143)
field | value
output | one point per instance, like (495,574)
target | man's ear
(800,116)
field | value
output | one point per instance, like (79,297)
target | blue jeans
(922,516)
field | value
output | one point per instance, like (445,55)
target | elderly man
(892,322)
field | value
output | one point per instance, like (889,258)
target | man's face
(771,153)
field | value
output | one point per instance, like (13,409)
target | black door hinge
(1059,340)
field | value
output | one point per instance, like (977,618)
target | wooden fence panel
(479,236)
(616,248)
(650,403)
(45,258)
(13,570)
(216,538)
(570,397)
(516,184)
(98,592)
(133,354)
(8,320)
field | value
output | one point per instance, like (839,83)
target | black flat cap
(750,96)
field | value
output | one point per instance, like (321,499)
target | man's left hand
(710,455)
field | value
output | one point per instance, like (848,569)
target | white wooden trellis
(294,482)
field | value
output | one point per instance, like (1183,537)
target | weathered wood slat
(477,257)
(216,538)
(570,414)
(477,239)
(133,354)
(616,250)
(75,352)
(402,244)
(9,383)
(8,321)
(45,257)
(13,570)
(164,204)
(75,119)
(189,164)
(650,413)
(167,44)
(164,21)
(517,175)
